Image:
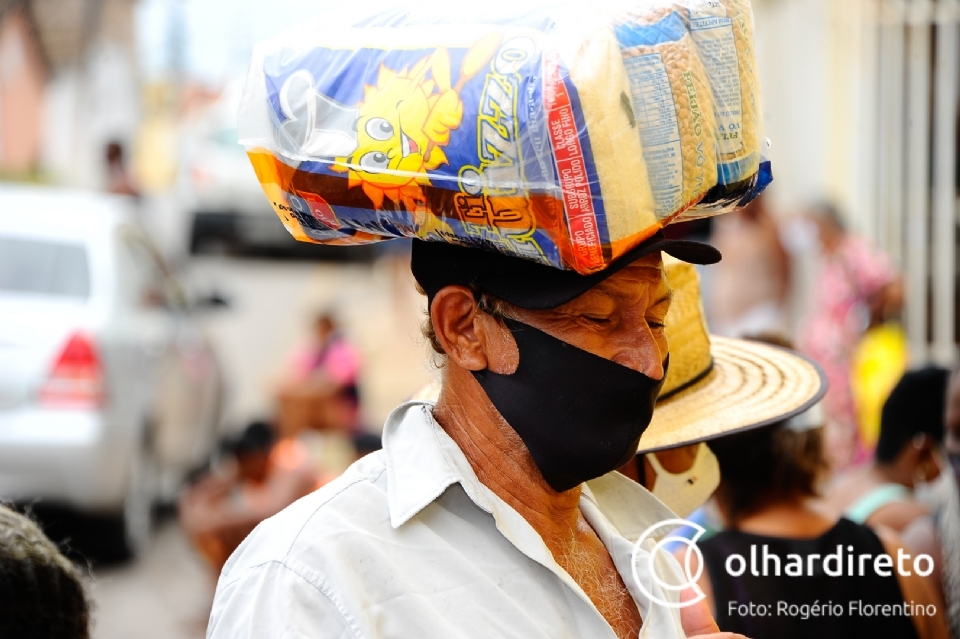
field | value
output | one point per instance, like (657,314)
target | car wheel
(132,527)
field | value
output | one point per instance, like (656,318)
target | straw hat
(716,385)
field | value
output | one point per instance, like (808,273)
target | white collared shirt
(409,543)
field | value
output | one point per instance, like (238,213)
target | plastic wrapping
(563,134)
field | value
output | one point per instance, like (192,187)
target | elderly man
(495,513)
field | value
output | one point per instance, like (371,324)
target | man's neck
(505,466)
(502,462)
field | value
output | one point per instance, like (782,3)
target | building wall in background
(861,106)
(93,91)
(807,72)
(23,77)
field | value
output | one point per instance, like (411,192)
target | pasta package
(560,133)
(722,31)
(672,100)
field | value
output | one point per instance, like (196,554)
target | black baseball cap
(530,284)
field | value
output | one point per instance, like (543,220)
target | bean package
(559,133)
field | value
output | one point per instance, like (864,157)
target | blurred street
(165,594)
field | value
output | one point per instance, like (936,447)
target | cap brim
(750,385)
(529,284)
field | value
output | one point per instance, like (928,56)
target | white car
(109,390)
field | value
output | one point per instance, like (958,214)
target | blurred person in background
(41,592)
(119,181)
(856,287)
(948,515)
(768,498)
(261,477)
(939,534)
(321,392)
(908,455)
(749,289)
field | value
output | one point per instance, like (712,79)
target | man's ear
(454,312)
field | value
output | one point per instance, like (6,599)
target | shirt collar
(628,506)
(418,471)
(423,461)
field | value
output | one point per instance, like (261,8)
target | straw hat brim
(751,384)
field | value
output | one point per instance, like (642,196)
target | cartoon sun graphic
(404,121)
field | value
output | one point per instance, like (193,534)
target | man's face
(620,319)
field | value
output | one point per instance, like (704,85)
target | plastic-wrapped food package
(622,188)
(561,133)
(672,102)
(722,31)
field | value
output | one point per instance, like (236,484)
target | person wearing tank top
(908,455)
(784,597)
(774,521)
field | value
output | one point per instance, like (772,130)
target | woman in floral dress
(857,286)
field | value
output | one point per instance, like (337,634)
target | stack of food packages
(565,134)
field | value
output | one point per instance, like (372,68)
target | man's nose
(641,352)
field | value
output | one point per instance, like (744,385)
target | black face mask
(580,415)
